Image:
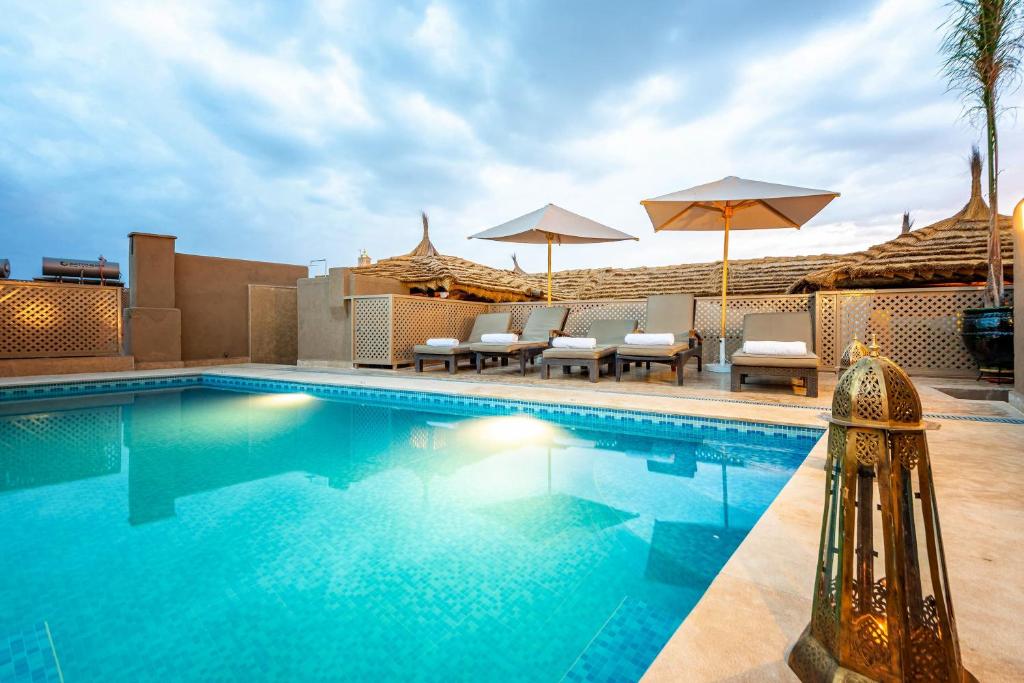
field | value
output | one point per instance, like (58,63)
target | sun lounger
(778,327)
(608,335)
(485,323)
(536,336)
(666,313)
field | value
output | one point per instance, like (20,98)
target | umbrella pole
(723,364)
(550,238)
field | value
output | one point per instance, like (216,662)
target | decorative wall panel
(386,327)
(371,330)
(917,328)
(51,320)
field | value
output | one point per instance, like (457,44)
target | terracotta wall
(213,297)
(273,324)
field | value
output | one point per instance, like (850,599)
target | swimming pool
(198,531)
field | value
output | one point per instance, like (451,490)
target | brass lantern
(851,354)
(882,609)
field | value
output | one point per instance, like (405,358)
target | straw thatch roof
(952,251)
(458,276)
(771,275)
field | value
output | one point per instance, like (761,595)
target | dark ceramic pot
(988,335)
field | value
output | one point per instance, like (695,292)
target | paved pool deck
(760,602)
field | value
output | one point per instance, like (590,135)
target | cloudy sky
(297,131)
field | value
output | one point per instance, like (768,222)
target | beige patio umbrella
(735,204)
(552,225)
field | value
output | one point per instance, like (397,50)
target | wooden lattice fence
(918,328)
(51,320)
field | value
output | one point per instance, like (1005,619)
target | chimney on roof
(907,223)
(516,268)
(425,247)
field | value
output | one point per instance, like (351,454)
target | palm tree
(982,46)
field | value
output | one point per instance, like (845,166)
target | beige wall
(213,296)
(1017,395)
(150,270)
(273,324)
(325,330)
(152,323)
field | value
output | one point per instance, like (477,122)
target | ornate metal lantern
(851,354)
(882,608)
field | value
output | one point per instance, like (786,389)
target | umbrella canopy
(735,204)
(755,206)
(549,225)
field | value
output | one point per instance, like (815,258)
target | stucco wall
(1017,395)
(213,296)
(273,324)
(325,331)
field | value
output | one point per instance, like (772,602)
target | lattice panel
(581,313)
(43,320)
(57,447)
(371,330)
(709,312)
(828,345)
(916,328)
(418,319)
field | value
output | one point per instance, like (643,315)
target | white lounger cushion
(443,341)
(496,338)
(775,348)
(651,339)
(574,342)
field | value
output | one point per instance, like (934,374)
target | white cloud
(434,125)
(440,40)
(303,99)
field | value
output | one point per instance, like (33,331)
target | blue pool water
(206,534)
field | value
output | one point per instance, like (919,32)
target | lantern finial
(873,346)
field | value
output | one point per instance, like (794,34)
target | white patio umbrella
(552,225)
(735,204)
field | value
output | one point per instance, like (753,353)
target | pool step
(625,646)
(28,656)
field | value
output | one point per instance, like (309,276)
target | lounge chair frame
(450,360)
(593,365)
(738,376)
(524,356)
(677,361)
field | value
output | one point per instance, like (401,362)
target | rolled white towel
(443,341)
(499,338)
(574,342)
(651,339)
(775,348)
